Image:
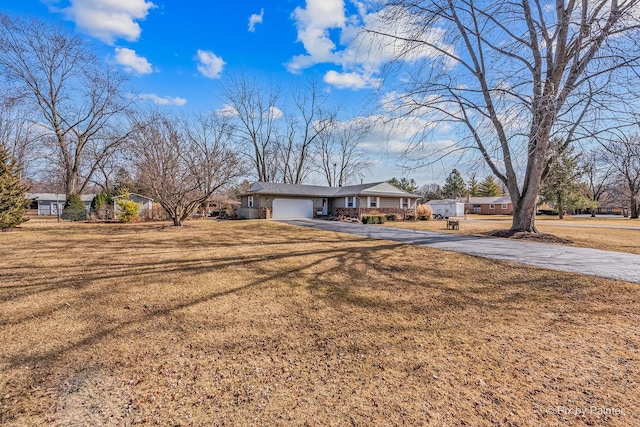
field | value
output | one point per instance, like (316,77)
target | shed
(446,208)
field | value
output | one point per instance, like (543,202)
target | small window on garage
(250,201)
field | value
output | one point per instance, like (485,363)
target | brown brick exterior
(357,212)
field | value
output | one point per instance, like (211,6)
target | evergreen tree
(473,186)
(454,186)
(74,209)
(562,187)
(489,187)
(410,186)
(13,200)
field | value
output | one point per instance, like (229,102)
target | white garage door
(292,208)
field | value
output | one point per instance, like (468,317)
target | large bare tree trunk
(524,214)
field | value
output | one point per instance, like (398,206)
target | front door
(325,207)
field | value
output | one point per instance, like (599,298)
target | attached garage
(292,208)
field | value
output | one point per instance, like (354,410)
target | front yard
(259,323)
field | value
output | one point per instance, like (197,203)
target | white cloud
(227,110)
(210,65)
(109,20)
(131,62)
(158,100)
(360,53)
(275,113)
(350,80)
(313,24)
(255,19)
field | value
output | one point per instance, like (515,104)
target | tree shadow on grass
(346,274)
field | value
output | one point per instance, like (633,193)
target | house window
(250,201)
(350,202)
(373,202)
(504,206)
(492,206)
(405,203)
(609,209)
(477,208)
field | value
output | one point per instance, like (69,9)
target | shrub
(74,209)
(128,210)
(373,219)
(424,212)
(390,217)
(410,217)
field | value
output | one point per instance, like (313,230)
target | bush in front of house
(424,212)
(74,209)
(410,217)
(128,210)
(373,219)
(390,217)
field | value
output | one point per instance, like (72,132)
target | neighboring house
(606,208)
(146,208)
(610,209)
(278,201)
(52,203)
(500,205)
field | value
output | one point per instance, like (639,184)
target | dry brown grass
(258,323)
(597,233)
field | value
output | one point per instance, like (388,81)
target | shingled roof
(383,189)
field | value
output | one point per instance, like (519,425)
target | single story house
(53,203)
(499,205)
(278,201)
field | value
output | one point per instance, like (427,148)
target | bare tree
(513,75)
(624,155)
(341,157)
(597,173)
(305,125)
(18,134)
(252,107)
(182,162)
(77,98)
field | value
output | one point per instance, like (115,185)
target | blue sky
(178,53)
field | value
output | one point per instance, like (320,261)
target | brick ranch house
(500,205)
(268,200)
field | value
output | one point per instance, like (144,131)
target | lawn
(622,235)
(259,323)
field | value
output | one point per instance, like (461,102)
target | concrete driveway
(612,265)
